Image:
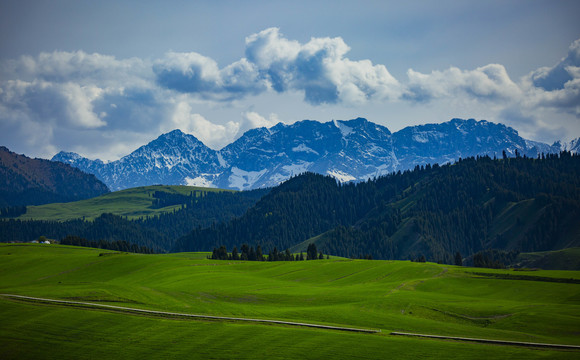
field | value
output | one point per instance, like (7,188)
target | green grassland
(132,203)
(539,306)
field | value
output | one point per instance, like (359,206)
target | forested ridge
(26,181)
(512,204)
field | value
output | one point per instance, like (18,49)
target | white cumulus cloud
(66,104)
(557,87)
(58,98)
(318,68)
(490,82)
(252,120)
(211,134)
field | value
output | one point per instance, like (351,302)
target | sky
(102,78)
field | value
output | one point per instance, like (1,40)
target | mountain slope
(449,141)
(26,181)
(347,150)
(518,204)
(174,158)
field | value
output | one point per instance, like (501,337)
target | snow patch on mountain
(543,148)
(287,171)
(296,169)
(221,160)
(572,146)
(304,148)
(420,138)
(341,176)
(373,149)
(344,130)
(459,126)
(244,180)
(201,181)
(379,171)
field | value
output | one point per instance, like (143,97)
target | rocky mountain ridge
(351,150)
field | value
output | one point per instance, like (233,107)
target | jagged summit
(65,156)
(349,150)
(172,158)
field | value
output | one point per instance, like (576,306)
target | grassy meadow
(132,203)
(530,306)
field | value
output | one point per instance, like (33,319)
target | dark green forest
(25,181)
(476,204)
(117,245)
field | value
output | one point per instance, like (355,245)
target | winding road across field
(183,315)
(279,322)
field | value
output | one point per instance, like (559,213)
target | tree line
(248,253)
(122,245)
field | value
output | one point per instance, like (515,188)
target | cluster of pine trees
(12,211)
(107,228)
(495,259)
(249,254)
(198,210)
(297,210)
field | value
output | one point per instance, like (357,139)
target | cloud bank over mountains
(318,68)
(87,102)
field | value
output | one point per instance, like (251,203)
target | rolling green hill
(131,203)
(539,306)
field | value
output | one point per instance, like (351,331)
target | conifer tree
(311,252)
(458,259)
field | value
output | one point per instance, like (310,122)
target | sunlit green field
(388,295)
(132,203)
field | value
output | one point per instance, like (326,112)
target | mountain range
(351,150)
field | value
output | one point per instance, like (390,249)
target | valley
(289,180)
(477,211)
